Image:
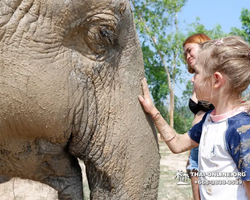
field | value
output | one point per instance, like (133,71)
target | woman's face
(190,53)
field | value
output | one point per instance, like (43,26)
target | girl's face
(201,88)
(190,53)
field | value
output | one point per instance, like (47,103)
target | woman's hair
(229,56)
(196,38)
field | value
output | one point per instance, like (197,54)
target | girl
(222,73)
(199,108)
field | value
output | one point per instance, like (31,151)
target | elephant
(70,73)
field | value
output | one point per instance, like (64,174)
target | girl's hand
(146,100)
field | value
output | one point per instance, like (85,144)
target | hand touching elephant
(70,74)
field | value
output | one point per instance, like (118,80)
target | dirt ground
(18,189)
(170,164)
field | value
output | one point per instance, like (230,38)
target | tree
(161,40)
(196,27)
(245,31)
(162,48)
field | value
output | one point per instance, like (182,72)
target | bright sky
(211,13)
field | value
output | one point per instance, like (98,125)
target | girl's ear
(219,80)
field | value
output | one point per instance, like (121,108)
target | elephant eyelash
(108,35)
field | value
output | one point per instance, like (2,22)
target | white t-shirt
(223,162)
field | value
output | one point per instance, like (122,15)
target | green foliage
(162,48)
(245,20)
(196,27)
(155,74)
(188,92)
(183,119)
(161,45)
(245,31)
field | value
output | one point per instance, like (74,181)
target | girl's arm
(247,187)
(177,143)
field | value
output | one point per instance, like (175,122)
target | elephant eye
(108,35)
(100,39)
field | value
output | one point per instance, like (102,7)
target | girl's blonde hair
(197,39)
(230,56)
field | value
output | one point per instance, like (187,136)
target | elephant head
(70,74)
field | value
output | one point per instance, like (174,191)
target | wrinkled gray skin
(70,74)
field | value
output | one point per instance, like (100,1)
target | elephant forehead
(45,27)
(63,14)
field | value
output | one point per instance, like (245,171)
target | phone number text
(219,182)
